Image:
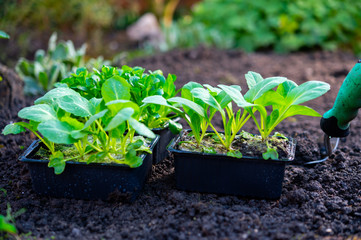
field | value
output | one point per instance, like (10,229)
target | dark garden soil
(317,202)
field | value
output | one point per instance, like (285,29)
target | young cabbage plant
(142,85)
(283,102)
(100,129)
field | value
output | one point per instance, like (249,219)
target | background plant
(100,129)
(281,25)
(50,67)
(4,35)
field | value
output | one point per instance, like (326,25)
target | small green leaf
(57,162)
(135,145)
(270,154)
(210,150)
(236,96)
(115,88)
(140,128)
(253,78)
(4,35)
(6,226)
(174,127)
(13,128)
(123,115)
(44,81)
(236,154)
(279,135)
(38,113)
(132,160)
(77,105)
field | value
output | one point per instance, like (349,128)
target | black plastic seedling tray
(221,174)
(88,181)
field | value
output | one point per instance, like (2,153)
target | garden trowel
(336,122)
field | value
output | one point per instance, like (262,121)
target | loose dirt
(318,202)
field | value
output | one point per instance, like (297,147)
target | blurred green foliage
(48,68)
(282,25)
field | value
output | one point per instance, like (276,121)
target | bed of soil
(318,202)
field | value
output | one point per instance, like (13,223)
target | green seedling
(7,222)
(4,35)
(100,129)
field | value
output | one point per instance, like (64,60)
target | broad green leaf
(300,110)
(140,128)
(4,35)
(43,79)
(135,145)
(38,113)
(209,150)
(206,97)
(253,78)
(56,93)
(57,162)
(13,128)
(307,91)
(192,105)
(236,96)
(77,105)
(52,42)
(119,118)
(57,131)
(284,88)
(270,98)
(95,117)
(261,87)
(115,88)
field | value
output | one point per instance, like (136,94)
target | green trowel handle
(336,122)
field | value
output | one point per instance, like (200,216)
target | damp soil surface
(321,201)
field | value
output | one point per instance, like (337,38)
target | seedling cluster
(107,115)
(267,102)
